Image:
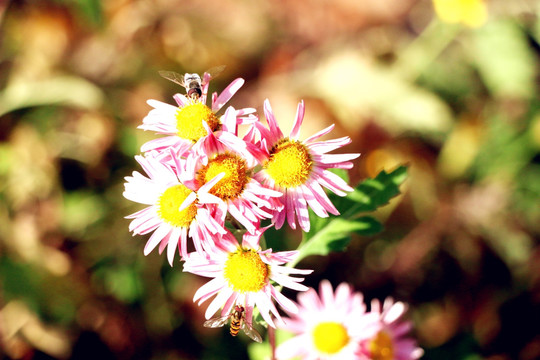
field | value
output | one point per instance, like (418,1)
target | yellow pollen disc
(330,337)
(245,271)
(189,121)
(169,202)
(290,163)
(235,179)
(381,347)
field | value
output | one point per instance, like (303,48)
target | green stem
(425,49)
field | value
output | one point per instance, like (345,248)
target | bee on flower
(245,275)
(184,124)
(237,320)
(193,84)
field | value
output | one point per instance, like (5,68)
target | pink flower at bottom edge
(391,342)
(328,325)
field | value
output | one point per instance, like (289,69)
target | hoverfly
(192,82)
(238,322)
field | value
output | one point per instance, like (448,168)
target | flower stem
(425,49)
(272,341)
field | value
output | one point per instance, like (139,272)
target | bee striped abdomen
(235,326)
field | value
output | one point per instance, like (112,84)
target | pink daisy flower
(328,325)
(391,341)
(298,169)
(243,197)
(244,275)
(184,123)
(176,209)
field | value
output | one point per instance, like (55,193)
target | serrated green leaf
(333,234)
(373,193)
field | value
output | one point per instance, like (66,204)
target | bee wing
(215,71)
(251,332)
(173,76)
(217,321)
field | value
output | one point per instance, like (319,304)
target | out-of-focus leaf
(128,142)
(460,149)
(505,151)
(90,10)
(19,281)
(81,210)
(463,346)
(504,59)
(124,284)
(121,281)
(527,195)
(66,90)
(370,90)
(261,351)
(257,351)
(6,158)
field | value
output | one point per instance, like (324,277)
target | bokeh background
(449,88)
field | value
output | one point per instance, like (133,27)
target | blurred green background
(453,93)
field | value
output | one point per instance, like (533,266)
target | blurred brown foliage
(459,105)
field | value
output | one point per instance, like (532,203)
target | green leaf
(121,281)
(81,209)
(505,60)
(333,234)
(373,193)
(91,10)
(411,108)
(505,152)
(19,281)
(258,351)
(63,90)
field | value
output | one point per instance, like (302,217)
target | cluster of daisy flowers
(337,325)
(208,191)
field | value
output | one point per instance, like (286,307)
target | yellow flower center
(381,347)
(235,179)
(245,271)
(189,121)
(169,204)
(289,164)
(330,337)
